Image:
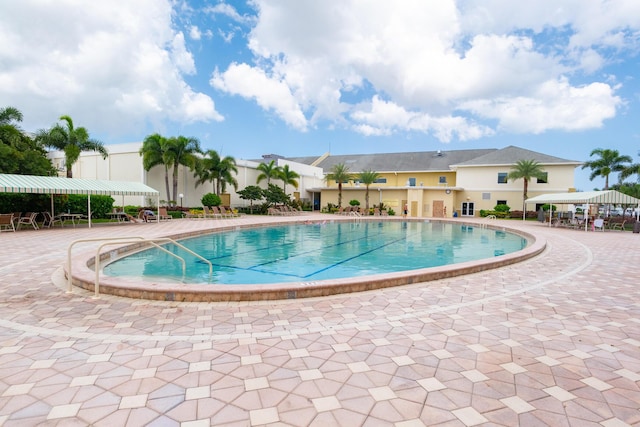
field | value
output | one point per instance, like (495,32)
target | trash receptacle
(636,227)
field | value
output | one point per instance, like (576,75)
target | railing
(123,240)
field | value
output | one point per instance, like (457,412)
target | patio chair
(618,225)
(29,219)
(50,220)
(6,222)
(598,224)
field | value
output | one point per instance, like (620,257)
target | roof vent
(439,153)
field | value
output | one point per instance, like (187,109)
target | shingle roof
(511,154)
(440,160)
(397,162)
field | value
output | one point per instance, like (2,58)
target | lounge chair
(29,219)
(210,212)
(164,215)
(6,222)
(226,213)
(147,215)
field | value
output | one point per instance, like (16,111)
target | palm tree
(71,140)
(339,173)
(268,171)
(217,170)
(288,176)
(526,170)
(181,151)
(610,161)
(154,153)
(227,169)
(10,131)
(367,177)
(633,169)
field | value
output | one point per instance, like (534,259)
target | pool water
(310,252)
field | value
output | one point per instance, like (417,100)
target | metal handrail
(135,239)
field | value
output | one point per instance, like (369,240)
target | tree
(182,151)
(275,195)
(268,171)
(217,170)
(9,130)
(154,153)
(367,177)
(251,193)
(526,170)
(19,154)
(609,161)
(288,176)
(633,169)
(71,140)
(339,173)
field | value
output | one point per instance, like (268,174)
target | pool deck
(554,340)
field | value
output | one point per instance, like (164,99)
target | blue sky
(303,77)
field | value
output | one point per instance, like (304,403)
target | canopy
(607,197)
(10,183)
(591,197)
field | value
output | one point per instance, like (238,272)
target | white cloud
(195,33)
(113,66)
(554,105)
(385,118)
(489,60)
(269,92)
(228,11)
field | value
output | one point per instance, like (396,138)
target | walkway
(551,341)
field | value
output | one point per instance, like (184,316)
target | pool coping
(84,273)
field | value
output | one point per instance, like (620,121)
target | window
(381,181)
(543,179)
(501,202)
(502,177)
(411,182)
(442,180)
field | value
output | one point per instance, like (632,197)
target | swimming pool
(306,253)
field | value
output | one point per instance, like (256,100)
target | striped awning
(612,197)
(10,183)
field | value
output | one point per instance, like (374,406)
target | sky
(305,77)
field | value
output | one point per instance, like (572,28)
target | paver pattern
(554,340)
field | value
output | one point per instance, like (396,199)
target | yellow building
(441,183)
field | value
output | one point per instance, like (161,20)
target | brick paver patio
(551,341)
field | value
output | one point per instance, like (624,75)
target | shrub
(100,205)
(211,199)
(354,202)
(502,208)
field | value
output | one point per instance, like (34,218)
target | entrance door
(438,208)
(468,209)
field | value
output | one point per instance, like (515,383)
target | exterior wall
(401,179)
(124,163)
(481,186)
(477,185)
